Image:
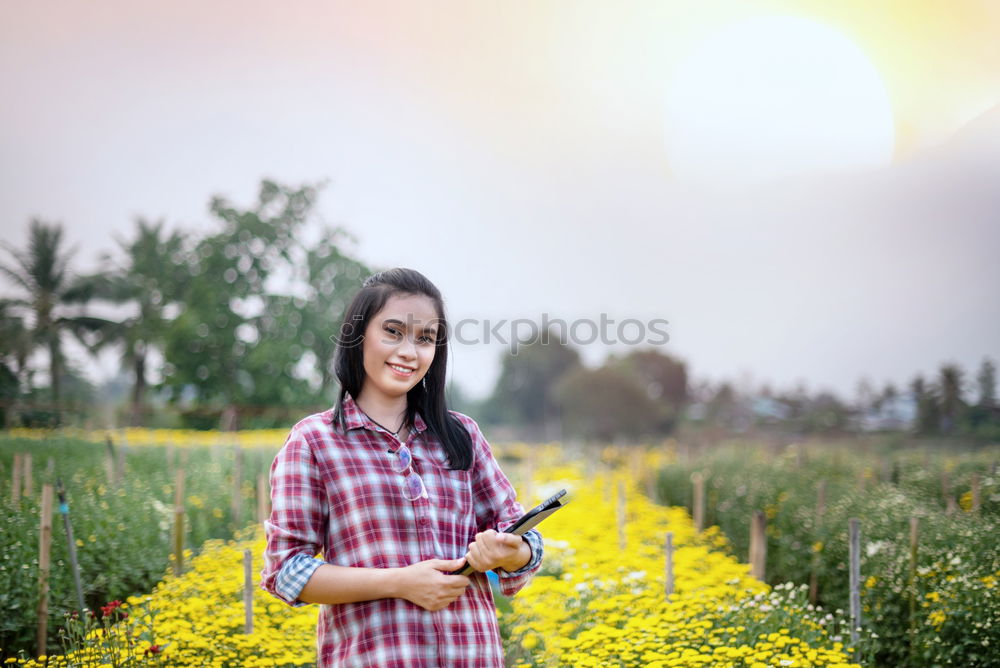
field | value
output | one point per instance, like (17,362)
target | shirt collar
(355,418)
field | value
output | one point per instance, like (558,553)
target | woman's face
(399,346)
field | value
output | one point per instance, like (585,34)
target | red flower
(153,649)
(110,607)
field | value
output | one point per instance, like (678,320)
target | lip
(410,370)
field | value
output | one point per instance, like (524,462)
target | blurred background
(805,191)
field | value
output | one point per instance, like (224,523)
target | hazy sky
(806,191)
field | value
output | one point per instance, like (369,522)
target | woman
(396,492)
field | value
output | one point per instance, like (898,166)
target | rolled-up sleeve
(296,527)
(496,507)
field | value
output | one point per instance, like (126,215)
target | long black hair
(427,397)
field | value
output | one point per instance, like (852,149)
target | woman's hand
(428,584)
(498,550)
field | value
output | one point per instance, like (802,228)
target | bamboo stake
(15,482)
(120,464)
(698,509)
(914,530)
(248,591)
(44,552)
(237,501)
(179,523)
(975,493)
(109,460)
(820,510)
(758,545)
(29,488)
(670,564)
(854,526)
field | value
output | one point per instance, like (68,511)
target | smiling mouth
(405,370)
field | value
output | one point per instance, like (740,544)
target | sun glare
(775,96)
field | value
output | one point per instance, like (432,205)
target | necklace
(394,433)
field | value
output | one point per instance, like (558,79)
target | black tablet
(527,521)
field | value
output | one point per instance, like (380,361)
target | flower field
(932,603)
(597,602)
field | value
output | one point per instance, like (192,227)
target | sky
(804,190)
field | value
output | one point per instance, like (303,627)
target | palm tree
(15,346)
(151,278)
(42,273)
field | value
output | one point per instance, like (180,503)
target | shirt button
(425,521)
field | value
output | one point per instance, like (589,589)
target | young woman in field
(395,491)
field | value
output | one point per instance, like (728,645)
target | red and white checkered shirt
(336,492)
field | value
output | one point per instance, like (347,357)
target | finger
(447,564)
(510,539)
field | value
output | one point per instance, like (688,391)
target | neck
(387,411)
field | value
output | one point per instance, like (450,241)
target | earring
(423,382)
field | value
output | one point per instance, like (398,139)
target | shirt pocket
(450,492)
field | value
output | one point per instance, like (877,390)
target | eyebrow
(430,329)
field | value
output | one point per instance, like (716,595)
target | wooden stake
(670,563)
(179,523)
(29,487)
(109,460)
(15,482)
(44,551)
(820,510)
(914,530)
(758,545)
(237,503)
(975,493)
(854,527)
(248,591)
(120,465)
(698,509)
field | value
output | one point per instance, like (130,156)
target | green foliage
(237,341)
(123,531)
(956,609)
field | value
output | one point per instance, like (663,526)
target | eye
(427,339)
(392,330)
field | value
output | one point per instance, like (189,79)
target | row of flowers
(596,602)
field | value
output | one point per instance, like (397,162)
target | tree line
(237,315)
(236,321)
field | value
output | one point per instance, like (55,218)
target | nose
(407,349)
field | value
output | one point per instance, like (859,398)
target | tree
(240,341)
(928,414)
(42,272)
(665,382)
(524,391)
(987,381)
(150,276)
(951,402)
(605,403)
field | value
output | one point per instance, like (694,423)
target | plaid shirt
(335,492)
